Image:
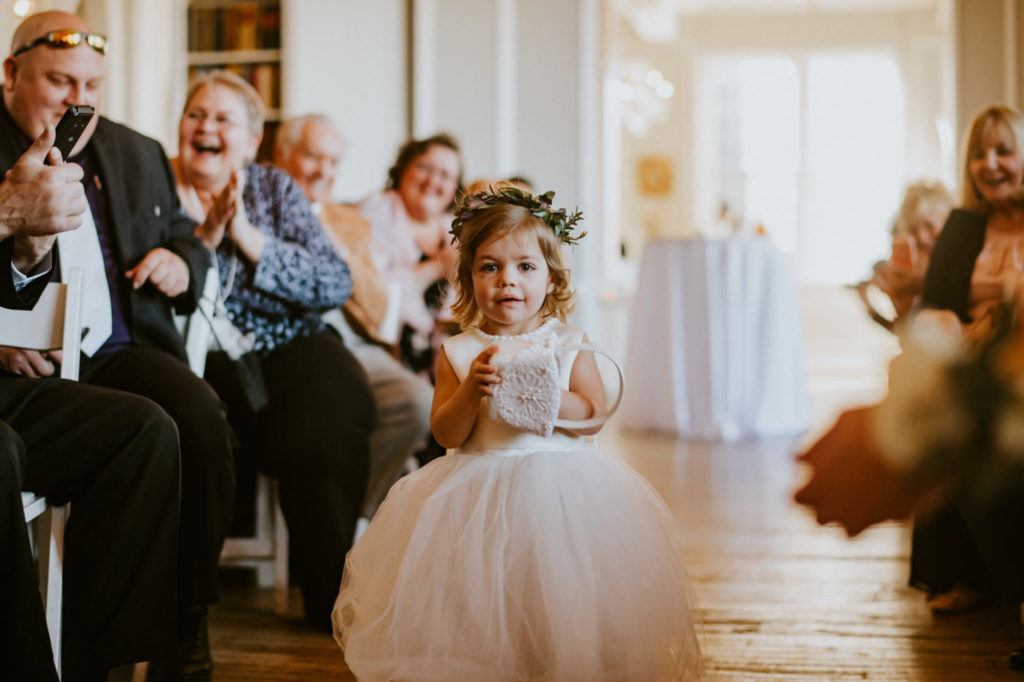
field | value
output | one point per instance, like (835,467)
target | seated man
(309,148)
(113,455)
(140,263)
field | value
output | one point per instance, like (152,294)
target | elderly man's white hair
(289,132)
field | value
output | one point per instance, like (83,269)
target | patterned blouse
(299,275)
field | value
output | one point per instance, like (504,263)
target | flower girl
(525,553)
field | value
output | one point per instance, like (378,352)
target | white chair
(267,551)
(54,323)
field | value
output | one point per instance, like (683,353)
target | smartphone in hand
(70,128)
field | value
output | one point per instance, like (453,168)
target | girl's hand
(483,376)
(225,204)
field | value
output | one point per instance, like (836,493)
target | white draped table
(715,348)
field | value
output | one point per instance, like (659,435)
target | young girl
(524,553)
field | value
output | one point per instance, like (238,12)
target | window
(812,146)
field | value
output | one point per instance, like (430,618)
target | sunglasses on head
(66,38)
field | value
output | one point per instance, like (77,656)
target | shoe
(194,644)
(957,600)
(193,663)
(1017,659)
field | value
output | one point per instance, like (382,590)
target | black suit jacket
(947,282)
(144,213)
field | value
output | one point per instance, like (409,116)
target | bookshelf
(242,36)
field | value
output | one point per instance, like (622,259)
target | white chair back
(54,323)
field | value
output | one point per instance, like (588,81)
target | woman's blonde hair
(984,121)
(501,220)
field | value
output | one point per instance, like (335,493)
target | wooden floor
(780,598)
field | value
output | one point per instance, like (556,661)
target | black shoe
(1017,659)
(194,663)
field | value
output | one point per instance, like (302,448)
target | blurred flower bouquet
(954,415)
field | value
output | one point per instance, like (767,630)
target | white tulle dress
(518,557)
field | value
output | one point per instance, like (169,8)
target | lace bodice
(491,433)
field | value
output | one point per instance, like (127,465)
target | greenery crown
(560,221)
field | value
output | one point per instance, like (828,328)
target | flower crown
(560,222)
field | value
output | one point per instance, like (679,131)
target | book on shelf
(236,26)
(264,77)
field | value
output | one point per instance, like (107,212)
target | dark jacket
(144,213)
(947,282)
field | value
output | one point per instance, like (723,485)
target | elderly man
(141,262)
(113,455)
(310,149)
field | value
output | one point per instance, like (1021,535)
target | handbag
(529,394)
(239,380)
(234,369)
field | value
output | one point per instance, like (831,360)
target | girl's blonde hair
(922,199)
(983,122)
(501,220)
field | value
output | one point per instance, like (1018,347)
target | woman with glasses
(412,249)
(278,273)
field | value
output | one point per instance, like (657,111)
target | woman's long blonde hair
(983,122)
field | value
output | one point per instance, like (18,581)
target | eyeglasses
(66,38)
(199,117)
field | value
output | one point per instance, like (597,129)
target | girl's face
(995,165)
(510,282)
(214,138)
(427,185)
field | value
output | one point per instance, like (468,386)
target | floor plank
(780,598)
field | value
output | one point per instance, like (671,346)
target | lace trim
(524,336)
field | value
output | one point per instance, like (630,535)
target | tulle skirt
(556,566)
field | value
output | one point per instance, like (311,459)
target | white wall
(347,59)
(989,55)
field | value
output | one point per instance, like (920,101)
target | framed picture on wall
(654,174)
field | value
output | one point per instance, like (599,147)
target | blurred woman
(924,210)
(977,258)
(949,428)
(412,249)
(278,272)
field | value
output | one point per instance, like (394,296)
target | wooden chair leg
(280,556)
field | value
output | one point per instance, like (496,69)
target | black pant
(114,457)
(978,545)
(207,461)
(314,436)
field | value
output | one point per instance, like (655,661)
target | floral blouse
(299,275)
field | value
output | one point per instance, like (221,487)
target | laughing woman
(960,558)
(278,272)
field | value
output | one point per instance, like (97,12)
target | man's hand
(29,363)
(850,483)
(39,201)
(163,269)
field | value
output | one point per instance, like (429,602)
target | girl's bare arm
(456,404)
(585,397)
